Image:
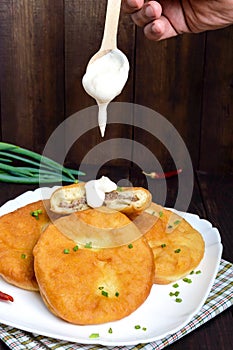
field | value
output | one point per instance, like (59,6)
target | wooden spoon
(94,80)
(109,41)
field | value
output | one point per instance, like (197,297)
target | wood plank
(84,24)
(168,79)
(32,81)
(217,127)
(218,201)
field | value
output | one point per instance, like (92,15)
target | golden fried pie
(71,198)
(85,286)
(19,232)
(177,247)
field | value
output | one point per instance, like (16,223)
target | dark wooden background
(44,49)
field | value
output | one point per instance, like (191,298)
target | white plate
(159,314)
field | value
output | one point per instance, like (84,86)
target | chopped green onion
(144,328)
(36,213)
(178,300)
(160,214)
(177,250)
(101,288)
(176,285)
(163,245)
(105,294)
(117,294)
(174,294)
(137,326)
(192,272)
(94,335)
(176,222)
(23,256)
(169,226)
(66,251)
(88,245)
(75,248)
(119,189)
(130,246)
(198,272)
(110,330)
(187,280)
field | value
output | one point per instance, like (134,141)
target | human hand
(168,18)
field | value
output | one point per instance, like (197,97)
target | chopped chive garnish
(101,288)
(105,294)
(88,245)
(176,222)
(169,226)
(198,272)
(178,300)
(153,213)
(117,294)
(66,251)
(130,246)
(23,256)
(110,330)
(75,248)
(160,214)
(36,213)
(177,250)
(119,189)
(174,294)
(192,272)
(94,335)
(137,326)
(144,328)
(187,280)
(163,245)
(176,285)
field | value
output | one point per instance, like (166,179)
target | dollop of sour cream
(104,80)
(96,189)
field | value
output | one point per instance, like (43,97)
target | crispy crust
(74,285)
(177,247)
(19,232)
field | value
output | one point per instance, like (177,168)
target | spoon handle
(111,25)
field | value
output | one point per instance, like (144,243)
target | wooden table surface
(212,199)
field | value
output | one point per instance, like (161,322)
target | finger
(159,29)
(131,6)
(149,12)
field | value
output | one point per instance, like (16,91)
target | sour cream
(104,80)
(96,189)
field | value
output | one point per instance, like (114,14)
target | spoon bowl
(109,41)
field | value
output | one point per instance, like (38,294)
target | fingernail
(149,11)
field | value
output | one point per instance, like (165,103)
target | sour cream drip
(104,80)
(96,189)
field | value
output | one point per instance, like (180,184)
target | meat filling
(75,204)
(120,197)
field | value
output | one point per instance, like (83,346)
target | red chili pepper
(155,175)
(7,297)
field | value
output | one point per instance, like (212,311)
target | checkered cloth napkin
(220,298)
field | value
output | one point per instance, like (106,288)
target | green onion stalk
(34,168)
